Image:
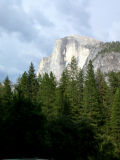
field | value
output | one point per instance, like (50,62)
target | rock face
(83,49)
(107,62)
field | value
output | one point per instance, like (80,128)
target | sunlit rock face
(82,48)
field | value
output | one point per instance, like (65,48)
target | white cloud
(28,28)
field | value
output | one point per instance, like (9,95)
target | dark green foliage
(5,98)
(114,81)
(104,99)
(69,141)
(71,84)
(32,82)
(76,118)
(91,106)
(107,150)
(109,47)
(23,84)
(46,95)
(102,87)
(28,83)
(7,88)
(23,132)
(115,119)
(80,83)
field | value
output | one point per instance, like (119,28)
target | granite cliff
(83,49)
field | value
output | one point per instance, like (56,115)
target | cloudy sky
(29,28)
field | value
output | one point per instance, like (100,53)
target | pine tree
(104,97)
(80,85)
(39,79)
(91,100)
(102,87)
(115,119)
(6,98)
(113,81)
(7,88)
(64,81)
(22,84)
(73,69)
(71,87)
(72,90)
(46,95)
(62,101)
(32,82)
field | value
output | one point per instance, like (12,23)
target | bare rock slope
(83,49)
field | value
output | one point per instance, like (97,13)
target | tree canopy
(76,118)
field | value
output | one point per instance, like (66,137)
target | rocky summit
(105,56)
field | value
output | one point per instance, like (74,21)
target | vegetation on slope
(109,47)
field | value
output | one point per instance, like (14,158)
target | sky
(29,28)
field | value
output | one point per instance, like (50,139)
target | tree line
(110,47)
(76,118)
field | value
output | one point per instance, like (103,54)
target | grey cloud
(13,73)
(30,34)
(41,18)
(75,12)
(13,19)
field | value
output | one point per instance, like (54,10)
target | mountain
(105,56)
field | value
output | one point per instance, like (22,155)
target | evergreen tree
(62,101)
(25,126)
(73,69)
(7,88)
(72,84)
(32,82)
(115,119)
(80,83)
(91,101)
(46,95)
(74,117)
(39,79)
(113,80)
(104,98)
(80,86)
(68,90)
(71,88)
(102,87)
(23,84)
(64,81)
(6,98)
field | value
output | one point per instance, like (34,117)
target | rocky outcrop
(78,46)
(107,62)
(83,49)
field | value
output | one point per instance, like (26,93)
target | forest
(110,47)
(77,118)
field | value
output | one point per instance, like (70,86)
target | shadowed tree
(115,119)
(47,94)
(91,99)
(32,82)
